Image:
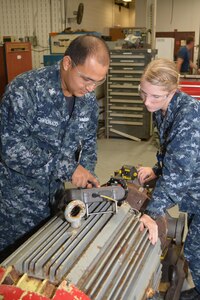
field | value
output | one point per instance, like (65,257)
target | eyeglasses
(86,79)
(155,98)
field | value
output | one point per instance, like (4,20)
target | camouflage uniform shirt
(179,132)
(39,138)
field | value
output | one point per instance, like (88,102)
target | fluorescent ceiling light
(127,0)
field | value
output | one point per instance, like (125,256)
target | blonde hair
(162,72)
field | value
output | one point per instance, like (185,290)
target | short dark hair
(88,45)
(189,40)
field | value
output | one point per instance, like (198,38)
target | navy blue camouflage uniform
(179,167)
(39,139)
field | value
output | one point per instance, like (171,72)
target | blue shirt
(185,55)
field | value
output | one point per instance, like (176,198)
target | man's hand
(83,178)
(151,225)
(145,174)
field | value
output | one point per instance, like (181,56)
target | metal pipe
(74,212)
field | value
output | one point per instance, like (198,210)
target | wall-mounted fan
(78,14)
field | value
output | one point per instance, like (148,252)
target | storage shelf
(126,115)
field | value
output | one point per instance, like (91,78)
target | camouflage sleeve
(179,163)
(20,149)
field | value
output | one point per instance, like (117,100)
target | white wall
(22,18)
(124,17)
(182,15)
(140,16)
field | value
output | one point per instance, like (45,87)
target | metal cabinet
(18,58)
(126,115)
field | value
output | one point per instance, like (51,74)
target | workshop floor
(113,153)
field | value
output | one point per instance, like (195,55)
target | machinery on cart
(93,248)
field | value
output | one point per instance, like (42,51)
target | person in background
(46,116)
(176,116)
(184,62)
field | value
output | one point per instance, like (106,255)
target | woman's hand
(151,225)
(145,174)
